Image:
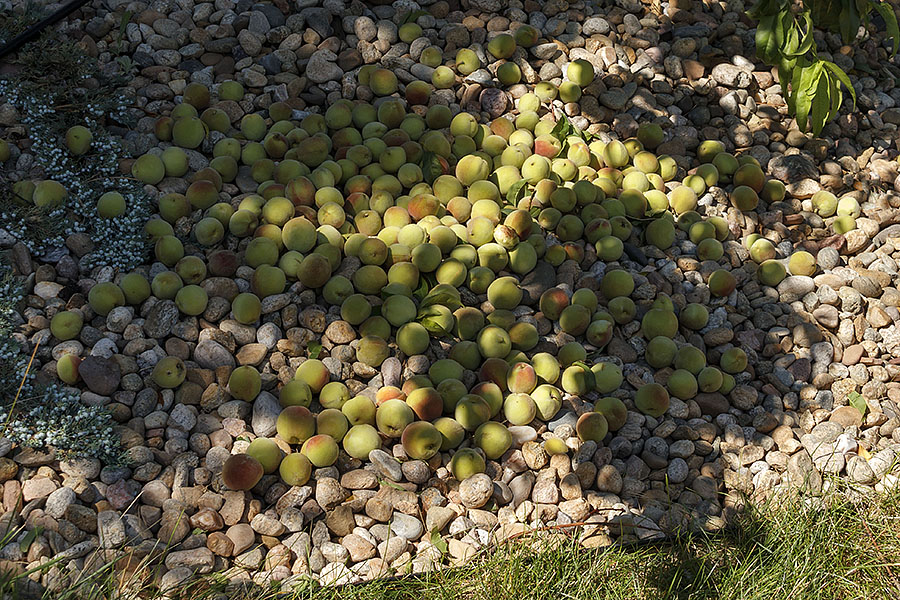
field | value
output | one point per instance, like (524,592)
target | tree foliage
(784,38)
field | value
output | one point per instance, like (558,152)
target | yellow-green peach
(659,322)
(617,282)
(721,283)
(466,463)
(191,300)
(660,352)
(321,450)
(295,393)
(762,250)
(493,438)
(267,452)
(802,263)
(652,399)
(104,297)
(66,325)
(682,384)
(359,410)
(169,372)
(614,410)
(744,198)
(426,402)
(547,400)
(733,360)
(471,411)
(135,288)
(295,469)
(660,233)
(848,206)
(361,440)
(599,333)
(752,176)
(592,426)
(709,380)
(452,433)
(67,368)
(445,368)
(313,373)
(683,199)
(421,440)
(333,395)
(577,380)
(393,416)
(607,376)
(771,273)
(694,316)
(691,359)
(502,46)
(148,168)
(189,132)
(295,424)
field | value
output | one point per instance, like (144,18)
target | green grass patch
(820,548)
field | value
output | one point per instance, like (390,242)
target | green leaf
(433,326)
(29,538)
(438,542)
(562,129)
(858,402)
(413,15)
(422,291)
(514,192)
(314,348)
(842,77)
(429,165)
(783,29)
(442,297)
(391,484)
(890,21)
(821,105)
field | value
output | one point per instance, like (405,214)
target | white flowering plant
(59,86)
(37,415)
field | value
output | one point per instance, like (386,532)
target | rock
(358,547)
(242,536)
(846,416)
(493,101)
(110,529)
(802,474)
(545,491)
(266,409)
(475,491)
(161,319)
(386,464)
(340,520)
(59,501)
(8,469)
(266,525)
(321,67)
(211,355)
(407,527)
(101,375)
(37,488)
(731,75)
(795,287)
(438,517)
(712,404)
(329,493)
(220,544)
(198,560)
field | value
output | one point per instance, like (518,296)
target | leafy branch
(784,39)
